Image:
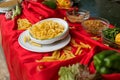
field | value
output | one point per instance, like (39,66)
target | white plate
(44,48)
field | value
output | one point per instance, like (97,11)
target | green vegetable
(104,70)
(16,11)
(77,72)
(14,14)
(107,61)
(113,59)
(110,33)
(68,73)
(98,58)
(51,4)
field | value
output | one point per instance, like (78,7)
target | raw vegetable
(77,72)
(50,3)
(107,62)
(16,11)
(117,39)
(110,33)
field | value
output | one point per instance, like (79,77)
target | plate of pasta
(26,43)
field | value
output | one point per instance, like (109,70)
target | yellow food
(94,26)
(117,39)
(46,30)
(23,24)
(66,53)
(78,50)
(35,44)
(26,39)
(63,4)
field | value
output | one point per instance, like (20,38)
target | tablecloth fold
(22,63)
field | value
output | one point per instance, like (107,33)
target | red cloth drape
(21,62)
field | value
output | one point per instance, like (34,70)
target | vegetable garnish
(110,33)
(77,72)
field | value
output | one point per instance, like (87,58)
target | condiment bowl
(77,15)
(95,25)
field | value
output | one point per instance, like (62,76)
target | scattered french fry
(85,45)
(80,52)
(26,39)
(68,48)
(58,55)
(74,43)
(66,52)
(35,44)
(78,49)
(47,59)
(54,53)
(62,57)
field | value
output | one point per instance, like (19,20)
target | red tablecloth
(21,63)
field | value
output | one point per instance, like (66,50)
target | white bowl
(7,5)
(57,38)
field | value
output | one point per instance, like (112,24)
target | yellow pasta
(23,24)
(46,30)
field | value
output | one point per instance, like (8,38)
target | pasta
(23,24)
(46,30)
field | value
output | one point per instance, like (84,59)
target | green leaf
(50,4)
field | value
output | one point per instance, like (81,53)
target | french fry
(74,43)
(68,54)
(26,39)
(35,44)
(62,57)
(47,59)
(85,45)
(78,49)
(68,48)
(72,55)
(80,52)
(56,54)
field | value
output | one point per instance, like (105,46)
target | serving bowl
(111,37)
(77,15)
(95,25)
(49,30)
(7,5)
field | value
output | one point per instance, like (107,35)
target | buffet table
(22,63)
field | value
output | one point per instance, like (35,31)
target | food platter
(7,5)
(44,48)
